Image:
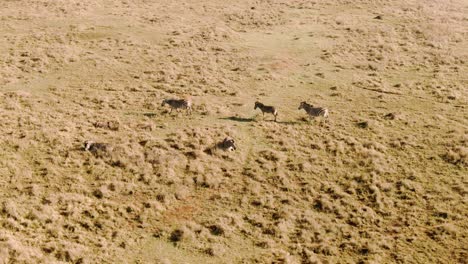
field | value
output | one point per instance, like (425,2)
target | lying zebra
(228,144)
(266,109)
(312,111)
(98,149)
(179,104)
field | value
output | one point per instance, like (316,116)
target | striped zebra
(179,104)
(313,111)
(266,109)
(98,149)
(228,144)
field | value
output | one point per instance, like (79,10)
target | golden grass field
(383,180)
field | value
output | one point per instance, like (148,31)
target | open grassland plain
(382,180)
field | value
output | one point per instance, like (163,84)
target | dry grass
(383,180)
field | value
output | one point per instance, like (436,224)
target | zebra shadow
(289,122)
(239,119)
(149,114)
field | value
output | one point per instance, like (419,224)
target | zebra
(266,109)
(313,111)
(111,125)
(228,144)
(97,149)
(179,104)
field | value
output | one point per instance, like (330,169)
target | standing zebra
(313,111)
(266,109)
(179,104)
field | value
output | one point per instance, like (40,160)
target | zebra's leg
(170,111)
(263,114)
(325,116)
(275,116)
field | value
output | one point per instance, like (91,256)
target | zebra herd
(311,111)
(228,143)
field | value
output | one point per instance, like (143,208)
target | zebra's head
(257,104)
(302,105)
(164,102)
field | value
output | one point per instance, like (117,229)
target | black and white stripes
(266,109)
(312,111)
(179,104)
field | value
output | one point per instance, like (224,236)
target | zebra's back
(317,111)
(269,109)
(266,108)
(178,103)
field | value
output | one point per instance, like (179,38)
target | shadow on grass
(242,119)
(150,114)
(289,122)
(147,114)
(239,119)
